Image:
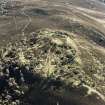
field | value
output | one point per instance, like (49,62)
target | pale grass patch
(57,41)
(71,42)
(48,68)
(22,58)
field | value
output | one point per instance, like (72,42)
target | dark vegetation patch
(89,32)
(43,12)
(37,12)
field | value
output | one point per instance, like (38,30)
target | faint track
(28,21)
(92,90)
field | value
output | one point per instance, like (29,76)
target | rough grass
(47,53)
(48,61)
